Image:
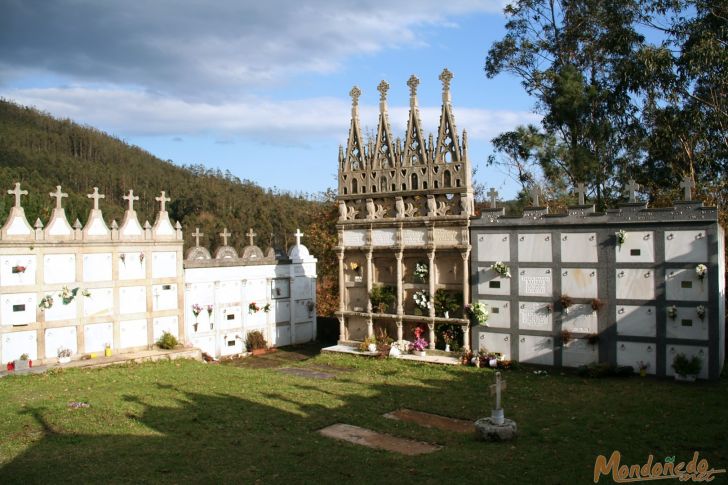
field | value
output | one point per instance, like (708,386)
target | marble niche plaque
(534,248)
(534,316)
(57,338)
(632,353)
(17,270)
(355,237)
(97,267)
(59,268)
(686,246)
(414,237)
(534,349)
(635,284)
(687,324)
(639,247)
(499,313)
(636,320)
(446,235)
(164,264)
(579,247)
(684,284)
(384,237)
(535,282)
(132,333)
(494,247)
(579,282)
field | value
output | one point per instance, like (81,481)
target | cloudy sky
(257,88)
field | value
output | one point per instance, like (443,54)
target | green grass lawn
(184,421)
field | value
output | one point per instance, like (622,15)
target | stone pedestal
(486,429)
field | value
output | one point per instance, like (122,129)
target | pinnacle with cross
(687,185)
(131,198)
(163,202)
(298,234)
(197,235)
(383,88)
(534,192)
(17,193)
(251,235)
(493,194)
(355,93)
(225,235)
(581,191)
(96,196)
(413,82)
(58,194)
(446,76)
(630,190)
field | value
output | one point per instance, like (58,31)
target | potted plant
(46,302)
(255,342)
(421,271)
(209,315)
(253,308)
(501,269)
(167,341)
(382,298)
(700,309)
(384,341)
(566,301)
(596,304)
(196,310)
(621,237)
(672,312)
(643,366)
(448,335)
(419,345)
(422,302)
(266,308)
(477,312)
(23,362)
(446,302)
(368,345)
(686,369)
(700,271)
(566,337)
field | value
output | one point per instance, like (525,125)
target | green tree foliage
(42,152)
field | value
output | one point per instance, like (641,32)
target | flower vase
(194,326)
(420,353)
(64,360)
(447,314)
(372,347)
(211,325)
(643,372)
(447,347)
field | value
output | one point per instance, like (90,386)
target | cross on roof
(298,234)
(630,190)
(534,192)
(493,194)
(446,76)
(197,235)
(163,202)
(96,196)
(413,82)
(225,235)
(581,190)
(58,195)
(383,88)
(688,185)
(251,235)
(131,198)
(17,192)
(355,93)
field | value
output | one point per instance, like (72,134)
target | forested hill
(41,152)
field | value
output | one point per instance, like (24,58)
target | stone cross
(197,235)
(163,201)
(493,194)
(17,193)
(413,82)
(58,195)
(96,196)
(446,76)
(298,234)
(383,88)
(224,234)
(581,190)
(687,185)
(131,198)
(535,192)
(251,235)
(630,190)
(355,93)
(497,388)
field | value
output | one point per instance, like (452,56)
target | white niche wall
(59,268)
(25,277)
(97,267)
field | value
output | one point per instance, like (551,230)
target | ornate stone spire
(446,76)
(413,82)
(383,88)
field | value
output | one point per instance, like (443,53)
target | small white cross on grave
(630,190)
(497,389)
(58,195)
(251,235)
(493,194)
(298,234)
(163,202)
(534,192)
(225,235)
(687,185)
(96,196)
(581,191)
(197,235)
(17,193)
(131,198)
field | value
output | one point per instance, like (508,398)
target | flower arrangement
(566,337)
(447,302)
(141,258)
(477,311)
(672,311)
(596,304)
(355,266)
(18,269)
(685,367)
(448,335)
(196,310)
(266,308)
(501,268)
(209,310)
(419,344)
(68,295)
(421,271)
(422,300)
(46,302)
(643,366)
(63,352)
(621,236)
(549,308)
(122,257)
(701,270)
(701,311)
(566,301)
(253,308)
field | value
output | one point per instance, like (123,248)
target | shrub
(447,301)
(255,340)
(684,366)
(382,297)
(167,341)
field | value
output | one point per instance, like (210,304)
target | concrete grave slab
(428,420)
(310,373)
(381,441)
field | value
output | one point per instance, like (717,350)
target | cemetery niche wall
(229,295)
(84,288)
(404,214)
(632,286)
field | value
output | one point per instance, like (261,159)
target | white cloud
(134,113)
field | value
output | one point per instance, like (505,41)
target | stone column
(431,326)
(431,256)
(466,296)
(400,330)
(369,280)
(370,326)
(342,282)
(400,302)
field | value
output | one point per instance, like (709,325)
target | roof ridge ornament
(413,82)
(446,76)
(17,193)
(59,195)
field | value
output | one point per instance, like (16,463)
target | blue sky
(259,89)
